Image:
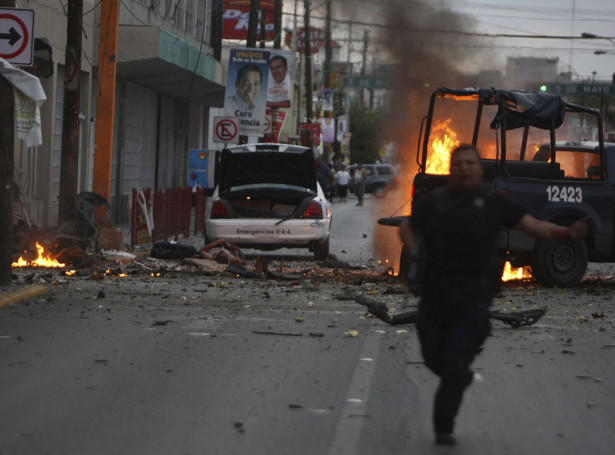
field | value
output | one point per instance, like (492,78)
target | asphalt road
(193,363)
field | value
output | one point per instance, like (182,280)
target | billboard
(236,17)
(246,89)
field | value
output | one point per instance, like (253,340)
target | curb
(8,298)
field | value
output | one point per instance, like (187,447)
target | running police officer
(458,225)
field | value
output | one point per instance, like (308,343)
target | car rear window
(384,170)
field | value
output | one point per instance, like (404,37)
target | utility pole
(7,150)
(308,61)
(277,25)
(69,163)
(105,101)
(328,51)
(364,64)
(327,69)
(255,6)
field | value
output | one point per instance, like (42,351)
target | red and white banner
(236,17)
(276,119)
(310,134)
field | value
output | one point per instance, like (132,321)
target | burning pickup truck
(518,134)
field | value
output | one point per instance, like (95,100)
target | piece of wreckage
(381,311)
(223,256)
(221,252)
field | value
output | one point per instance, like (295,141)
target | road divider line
(354,410)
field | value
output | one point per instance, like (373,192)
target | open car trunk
(267,201)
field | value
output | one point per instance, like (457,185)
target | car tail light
(314,210)
(218,210)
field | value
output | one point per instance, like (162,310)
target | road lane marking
(348,430)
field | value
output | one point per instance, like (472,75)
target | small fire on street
(42,260)
(515,273)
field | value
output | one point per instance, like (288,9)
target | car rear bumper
(289,233)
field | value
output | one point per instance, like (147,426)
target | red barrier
(172,213)
(200,202)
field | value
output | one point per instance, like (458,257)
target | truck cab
(545,153)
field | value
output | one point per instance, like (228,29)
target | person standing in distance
(359,178)
(458,225)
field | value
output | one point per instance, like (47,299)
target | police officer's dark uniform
(458,237)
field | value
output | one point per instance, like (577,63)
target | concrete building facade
(169,77)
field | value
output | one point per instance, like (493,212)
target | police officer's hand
(579,229)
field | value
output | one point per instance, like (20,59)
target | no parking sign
(225,129)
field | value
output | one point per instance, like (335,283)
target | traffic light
(543,88)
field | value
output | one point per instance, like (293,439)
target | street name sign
(364,82)
(17,36)
(583,89)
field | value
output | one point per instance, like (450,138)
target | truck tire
(321,250)
(559,263)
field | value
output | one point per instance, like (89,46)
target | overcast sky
(517,17)
(550,17)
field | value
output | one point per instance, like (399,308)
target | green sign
(582,89)
(364,82)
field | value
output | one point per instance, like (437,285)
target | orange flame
(515,273)
(443,142)
(41,261)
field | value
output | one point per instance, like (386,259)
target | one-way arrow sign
(17,35)
(12,36)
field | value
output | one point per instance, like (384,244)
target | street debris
(382,312)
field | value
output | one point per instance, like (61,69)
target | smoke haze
(427,46)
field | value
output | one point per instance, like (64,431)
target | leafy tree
(366,126)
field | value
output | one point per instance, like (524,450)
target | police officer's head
(466,171)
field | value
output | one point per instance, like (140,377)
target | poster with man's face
(246,89)
(280,70)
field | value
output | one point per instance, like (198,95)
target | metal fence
(165,214)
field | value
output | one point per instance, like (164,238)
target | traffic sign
(582,89)
(225,129)
(17,35)
(364,82)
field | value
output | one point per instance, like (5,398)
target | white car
(266,196)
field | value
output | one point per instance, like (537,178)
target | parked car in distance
(380,177)
(266,196)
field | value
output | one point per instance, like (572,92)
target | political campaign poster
(246,89)
(280,70)
(328,129)
(342,127)
(327,100)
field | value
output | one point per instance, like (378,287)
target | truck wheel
(321,250)
(559,263)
